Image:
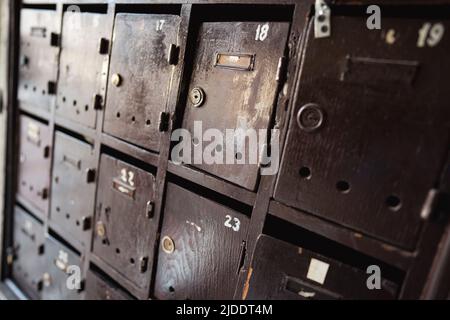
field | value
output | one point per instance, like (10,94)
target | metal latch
(150,212)
(322,24)
(103,46)
(143,264)
(172,55)
(164,119)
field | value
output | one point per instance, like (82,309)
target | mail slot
(27,253)
(124,219)
(201,248)
(282,271)
(63,275)
(233,86)
(34,164)
(140,76)
(99,288)
(83,66)
(39,34)
(73,187)
(369,131)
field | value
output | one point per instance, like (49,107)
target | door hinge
(322,19)
(90,175)
(55,39)
(436,206)
(11,254)
(97,101)
(173,54)
(164,121)
(103,46)
(143,264)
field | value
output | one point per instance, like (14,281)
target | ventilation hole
(56,179)
(86,107)
(133,119)
(43,92)
(147,122)
(132,261)
(343,186)
(195,141)
(34,89)
(78,112)
(118,115)
(238,156)
(171,289)
(117,250)
(67,216)
(26,87)
(24,183)
(324,29)
(393,202)
(31,188)
(77,223)
(63,99)
(75,103)
(58,209)
(305,172)
(104,242)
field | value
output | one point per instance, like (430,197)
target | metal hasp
(322,24)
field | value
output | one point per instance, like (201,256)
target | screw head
(116,80)
(168,245)
(310,117)
(197,97)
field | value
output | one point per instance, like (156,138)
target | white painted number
(159,25)
(127,177)
(232,223)
(262,32)
(430,34)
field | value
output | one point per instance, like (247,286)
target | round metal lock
(197,97)
(116,80)
(168,245)
(310,117)
(100,229)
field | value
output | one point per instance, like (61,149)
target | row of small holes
(34,89)
(133,119)
(392,202)
(132,261)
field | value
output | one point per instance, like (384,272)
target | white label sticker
(317,271)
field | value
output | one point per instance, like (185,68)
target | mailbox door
(124,219)
(60,278)
(282,271)
(84,57)
(38,58)
(99,288)
(140,76)
(73,187)
(29,262)
(200,249)
(369,131)
(233,86)
(34,163)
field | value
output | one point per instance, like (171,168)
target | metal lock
(116,80)
(100,229)
(197,97)
(46,279)
(310,117)
(168,245)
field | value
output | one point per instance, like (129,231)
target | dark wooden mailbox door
(283,271)
(34,164)
(73,187)
(200,249)
(124,219)
(233,86)
(140,76)
(369,131)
